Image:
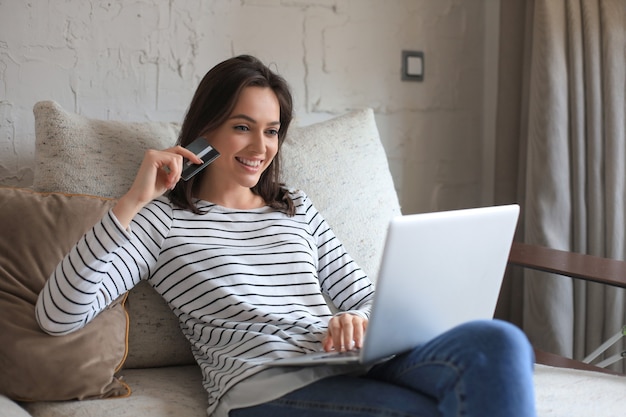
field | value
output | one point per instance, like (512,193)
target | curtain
(571,165)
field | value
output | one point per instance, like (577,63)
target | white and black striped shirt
(246,285)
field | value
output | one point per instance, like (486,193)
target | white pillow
(341,164)
(76,154)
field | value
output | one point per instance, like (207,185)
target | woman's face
(247,141)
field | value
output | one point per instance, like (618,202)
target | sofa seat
(177,391)
(564,392)
(174,391)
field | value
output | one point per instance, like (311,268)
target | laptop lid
(438,270)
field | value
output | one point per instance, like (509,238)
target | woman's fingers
(169,164)
(345,332)
(186,153)
(159,171)
(162,170)
(171,171)
(359,334)
(174,168)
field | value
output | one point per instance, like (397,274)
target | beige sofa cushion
(341,164)
(37,231)
(328,160)
(174,391)
(76,154)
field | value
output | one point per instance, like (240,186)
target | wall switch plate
(412,66)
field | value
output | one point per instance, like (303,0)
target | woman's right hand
(159,171)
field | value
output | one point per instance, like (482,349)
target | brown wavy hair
(213,102)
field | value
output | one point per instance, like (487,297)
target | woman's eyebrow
(251,120)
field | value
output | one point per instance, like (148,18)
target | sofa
(132,360)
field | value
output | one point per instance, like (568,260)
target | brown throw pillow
(37,230)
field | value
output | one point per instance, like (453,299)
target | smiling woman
(246,263)
(248,143)
(225,95)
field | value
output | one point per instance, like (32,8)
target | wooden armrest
(575,265)
(551,359)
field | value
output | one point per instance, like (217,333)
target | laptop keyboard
(334,354)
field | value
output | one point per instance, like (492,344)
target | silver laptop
(438,270)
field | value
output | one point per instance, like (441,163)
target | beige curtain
(571,164)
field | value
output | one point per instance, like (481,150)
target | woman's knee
(498,338)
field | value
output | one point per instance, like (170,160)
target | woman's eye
(242,128)
(272,132)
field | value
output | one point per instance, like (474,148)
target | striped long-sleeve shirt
(246,285)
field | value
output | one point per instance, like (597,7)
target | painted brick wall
(141,60)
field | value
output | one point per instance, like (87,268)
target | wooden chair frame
(574,265)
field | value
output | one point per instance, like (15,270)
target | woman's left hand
(345,332)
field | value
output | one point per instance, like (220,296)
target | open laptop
(438,270)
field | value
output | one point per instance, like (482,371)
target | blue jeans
(478,369)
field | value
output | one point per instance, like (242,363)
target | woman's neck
(241,198)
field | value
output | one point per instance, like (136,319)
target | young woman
(244,262)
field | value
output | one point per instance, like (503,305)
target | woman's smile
(250,163)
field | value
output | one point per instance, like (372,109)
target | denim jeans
(478,369)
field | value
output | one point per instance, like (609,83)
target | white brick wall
(141,60)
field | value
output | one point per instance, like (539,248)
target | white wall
(141,60)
